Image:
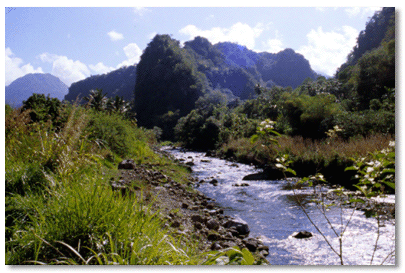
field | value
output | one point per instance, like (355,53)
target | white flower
(280,166)
(370,169)
(392,144)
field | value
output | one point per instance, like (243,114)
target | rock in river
(302,234)
(240,225)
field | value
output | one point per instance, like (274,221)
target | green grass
(60,207)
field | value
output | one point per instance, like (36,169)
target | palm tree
(97,99)
(118,105)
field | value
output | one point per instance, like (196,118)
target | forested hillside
(119,82)
(170,78)
(227,67)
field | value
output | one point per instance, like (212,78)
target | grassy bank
(330,156)
(60,206)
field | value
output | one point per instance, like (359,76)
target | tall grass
(304,150)
(60,208)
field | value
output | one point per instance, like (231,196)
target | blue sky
(74,43)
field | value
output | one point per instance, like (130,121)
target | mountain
(22,88)
(228,67)
(120,82)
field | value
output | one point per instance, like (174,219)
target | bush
(44,108)
(365,123)
(120,136)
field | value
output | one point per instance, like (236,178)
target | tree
(43,108)
(97,100)
(117,105)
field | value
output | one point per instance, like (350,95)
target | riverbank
(71,199)
(273,215)
(308,157)
(186,212)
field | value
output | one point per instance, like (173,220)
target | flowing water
(273,215)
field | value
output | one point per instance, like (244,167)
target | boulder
(197,218)
(251,244)
(270,173)
(198,225)
(215,246)
(127,164)
(302,234)
(239,225)
(214,182)
(212,224)
(213,236)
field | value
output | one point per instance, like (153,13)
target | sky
(73,43)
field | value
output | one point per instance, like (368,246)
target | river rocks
(214,182)
(189,163)
(239,225)
(270,173)
(213,236)
(212,224)
(240,185)
(198,225)
(215,246)
(197,218)
(127,164)
(175,224)
(302,234)
(251,244)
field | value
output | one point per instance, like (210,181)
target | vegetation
(60,206)
(250,107)
(325,123)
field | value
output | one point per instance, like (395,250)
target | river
(273,215)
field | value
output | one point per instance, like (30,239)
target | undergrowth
(60,208)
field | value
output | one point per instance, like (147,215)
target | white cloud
(67,70)
(152,35)
(101,68)
(321,9)
(48,57)
(276,46)
(361,11)
(133,53)
(15,68)
(239,33)
(115,36)
(326,51)
(140,10)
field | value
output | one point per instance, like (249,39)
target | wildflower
(370,169)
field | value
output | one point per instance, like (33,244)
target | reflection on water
(272,212)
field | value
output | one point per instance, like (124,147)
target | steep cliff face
(120,82)
(22,88)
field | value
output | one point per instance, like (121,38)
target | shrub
(120,136)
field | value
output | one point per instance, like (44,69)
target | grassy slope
(59,205)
